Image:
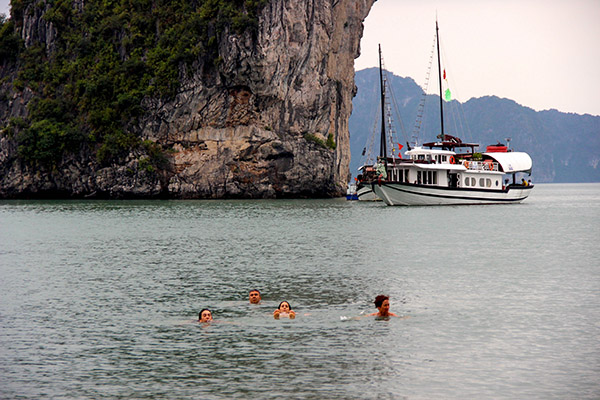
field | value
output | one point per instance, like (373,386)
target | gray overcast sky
(541,53)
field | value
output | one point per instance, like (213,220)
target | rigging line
(421,107)
(451,105)
(388,113)
(458,112)
(390,136)
(395,103)
(368,156)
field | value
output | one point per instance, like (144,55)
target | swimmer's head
(254,296)
(380,299)
(205,315)
(284,306)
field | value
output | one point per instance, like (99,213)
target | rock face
(254,128)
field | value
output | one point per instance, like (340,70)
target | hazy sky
(541,53)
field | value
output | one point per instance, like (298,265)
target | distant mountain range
(565,147)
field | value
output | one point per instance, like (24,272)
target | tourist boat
(364,191)
(361,190)
(368,173)
(450,172)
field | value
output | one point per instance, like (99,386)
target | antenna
(437,35)
(383,147)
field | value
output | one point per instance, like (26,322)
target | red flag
(444,74)
(400,149)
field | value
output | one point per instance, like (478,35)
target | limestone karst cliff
(267,119)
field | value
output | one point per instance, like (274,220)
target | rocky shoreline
(261,126)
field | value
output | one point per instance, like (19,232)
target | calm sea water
(96,299)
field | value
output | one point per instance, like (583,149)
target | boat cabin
(445,168)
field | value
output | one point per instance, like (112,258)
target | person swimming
(254,296)
(284,310)
(205,315)
(382,303)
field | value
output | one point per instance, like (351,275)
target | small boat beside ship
(361,191)
(364,191)
(450,172)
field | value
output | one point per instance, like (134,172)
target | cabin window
(488,182)
(497,183)
(481,182)
(419,177)
(405,175)
(444,158)
(434,180)
(421,157)
(473,182)
(467,181)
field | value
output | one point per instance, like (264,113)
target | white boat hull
(365,193)
(406,194)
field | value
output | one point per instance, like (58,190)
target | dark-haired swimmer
(254,296)
(205,315)
(284,310)
(382,303)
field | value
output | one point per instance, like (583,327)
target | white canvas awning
(513,161)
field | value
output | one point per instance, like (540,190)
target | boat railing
(487,165)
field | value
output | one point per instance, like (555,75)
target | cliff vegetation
(177,99)
(87,85)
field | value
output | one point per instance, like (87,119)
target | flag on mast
(447,94)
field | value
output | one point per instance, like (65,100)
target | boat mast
(382,147)
(439,78)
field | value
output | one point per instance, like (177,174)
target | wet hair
(288,303)
(201,311)
(380,299)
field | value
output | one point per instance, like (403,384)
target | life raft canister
(496,148)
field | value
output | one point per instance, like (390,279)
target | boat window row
(427,177)
(400,175)
(483,182)
(441,158)
(437,158)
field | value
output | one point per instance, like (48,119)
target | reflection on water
(97,299)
